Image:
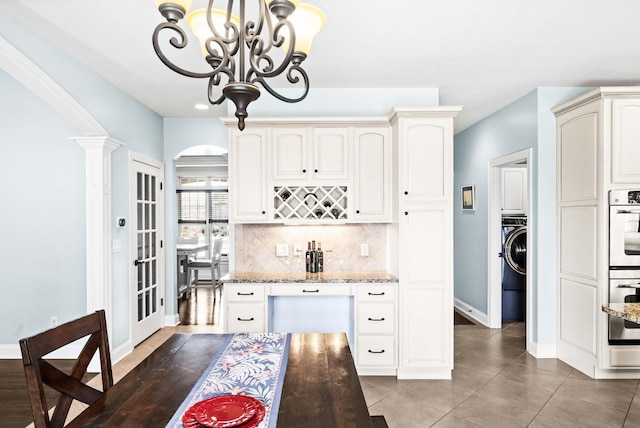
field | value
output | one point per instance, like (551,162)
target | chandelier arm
(178,44)
(258,54)
(293,79)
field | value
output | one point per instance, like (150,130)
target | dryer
(514,268)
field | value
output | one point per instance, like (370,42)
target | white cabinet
(424,243)
(248,176)
(244,308)
(372,174)
(376,329)
(598,150)
(322,158)
(514,191)
(625,141)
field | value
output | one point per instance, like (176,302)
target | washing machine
(514,268)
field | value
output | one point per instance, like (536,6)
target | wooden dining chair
(39,372)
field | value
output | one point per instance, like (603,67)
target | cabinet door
(514,191)
(372,174)
(248,184)
(290,154)
(330,154)
(425,159)
(625,145)
(426,317)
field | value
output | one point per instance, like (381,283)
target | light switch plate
(282,250)
(364,250)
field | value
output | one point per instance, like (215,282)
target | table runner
(251,364)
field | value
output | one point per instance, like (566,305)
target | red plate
(223,411)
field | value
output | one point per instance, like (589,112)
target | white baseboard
(543,350)
(469,311)
(171,320)
(10,352)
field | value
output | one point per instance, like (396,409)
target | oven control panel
(624,197)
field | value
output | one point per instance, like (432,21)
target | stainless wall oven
(624,229)
(624,262)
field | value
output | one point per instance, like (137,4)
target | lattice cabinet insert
(310,203)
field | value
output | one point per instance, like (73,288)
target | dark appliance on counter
(514,268)
(624,262)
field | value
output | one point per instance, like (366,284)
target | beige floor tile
(515,393)
(492,412)
(632,421)
(563,411)
(480,362)
(616,394)
(553,365)
(532,377)
(635,404)
(402,413)
(452,421)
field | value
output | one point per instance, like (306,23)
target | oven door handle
(628,212)
(634,285)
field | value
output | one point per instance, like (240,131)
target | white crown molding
(37,81)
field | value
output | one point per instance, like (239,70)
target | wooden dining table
(320,387)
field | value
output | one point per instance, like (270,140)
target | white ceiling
(481,54)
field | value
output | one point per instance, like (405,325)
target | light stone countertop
(304,277)
(626,311)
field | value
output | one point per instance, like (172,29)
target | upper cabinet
(248,176)
(372,174)
(301,154)
(625,147)
(313,171)
(514,191)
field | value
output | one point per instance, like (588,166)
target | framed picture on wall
(468,198)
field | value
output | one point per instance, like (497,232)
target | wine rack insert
(310,203)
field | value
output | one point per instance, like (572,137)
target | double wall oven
(624,262)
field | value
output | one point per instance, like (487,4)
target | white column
(98,216)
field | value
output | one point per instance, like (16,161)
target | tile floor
(495,384)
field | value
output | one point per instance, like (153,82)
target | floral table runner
(251,364)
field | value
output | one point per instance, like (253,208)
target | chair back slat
(39,372)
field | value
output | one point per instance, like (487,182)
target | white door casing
(146,237)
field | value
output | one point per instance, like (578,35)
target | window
(203,213)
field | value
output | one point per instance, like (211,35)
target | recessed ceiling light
(201,106)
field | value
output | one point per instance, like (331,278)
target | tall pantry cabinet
(423,208)
(598,138)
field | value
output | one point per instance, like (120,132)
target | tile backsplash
(256,246)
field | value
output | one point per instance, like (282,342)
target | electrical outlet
(297,250)
(364,250)
(54,322)
(282,250)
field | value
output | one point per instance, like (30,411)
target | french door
(147,226)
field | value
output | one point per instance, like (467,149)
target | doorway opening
(506,173)
(201,177)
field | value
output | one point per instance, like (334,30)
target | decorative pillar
(98,216)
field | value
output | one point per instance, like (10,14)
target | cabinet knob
(357,211)
(304,171)
(406,193)
(315,170)
(264,212)
(406,213)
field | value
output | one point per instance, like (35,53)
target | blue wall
(44,239)
(525,123)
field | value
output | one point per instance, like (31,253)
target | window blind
(202,206)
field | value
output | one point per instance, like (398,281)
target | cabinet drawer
(245,318)
(376,318)
(376,351)
(244,293)
(376,292)
(311,289)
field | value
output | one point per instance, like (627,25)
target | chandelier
(242,53)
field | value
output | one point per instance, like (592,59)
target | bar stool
(213,263)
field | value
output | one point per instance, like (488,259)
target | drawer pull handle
(310,291)
(376,352)
(376,319)
(244,294)
(245,319)
(375,294)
